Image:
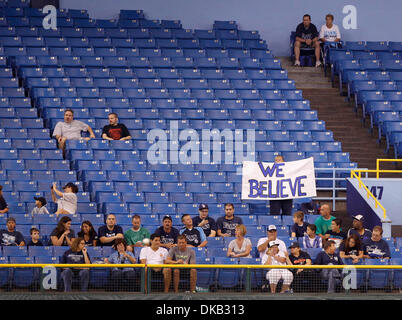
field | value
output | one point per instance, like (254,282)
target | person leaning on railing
(76,255)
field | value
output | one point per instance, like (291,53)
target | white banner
(278,181)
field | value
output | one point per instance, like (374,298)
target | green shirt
(323,225)
(132,237)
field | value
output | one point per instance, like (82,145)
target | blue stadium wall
(369,20)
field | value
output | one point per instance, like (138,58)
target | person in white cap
(358,228)
(263,243)
(274,256)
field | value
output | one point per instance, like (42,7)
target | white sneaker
(297,63)
(318,64)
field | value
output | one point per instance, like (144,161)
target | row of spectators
(357,243)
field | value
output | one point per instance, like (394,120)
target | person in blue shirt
(76,255)
(330,257)
(376,247)
(226,225)
(195,235)
(167,233)
(121,279)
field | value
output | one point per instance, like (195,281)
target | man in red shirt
(115,130)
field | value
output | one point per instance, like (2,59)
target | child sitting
(311,240)
(40,206)
(299,228)
(35,235)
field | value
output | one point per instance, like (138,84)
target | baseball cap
(271,227)
(359,217)
(167,217)
(41,199)
(203,206)
(294,245)
(273,243)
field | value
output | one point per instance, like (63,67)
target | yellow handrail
(386,160)
(369,194)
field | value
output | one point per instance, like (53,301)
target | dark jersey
(167,237)
(116,132)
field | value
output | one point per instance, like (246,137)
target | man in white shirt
(155,254)
(275,257)
(263,243)
(329,32)
(70,129)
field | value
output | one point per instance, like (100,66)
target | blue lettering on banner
(270,171)
(266,189)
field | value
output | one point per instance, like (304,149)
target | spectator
(88,233)
(195,235)
(115,130)
(182,254)
(226,225)
(309,207)
(329,257)
(274,256)
(40,206)
(205,222)
(351,249)
(275,206)
(168,234)
(302,278)
(307,37)
(3,203)
(9,236)
(109,232)
(70,129)
(155,254)
(329,31)
(311,240)
(357,228)
(263,243)
(299,228)
(35,235)
(76,255)
(67,204)
(121,278)
(241,246)
(136,234)
(62,235)
(375,247)
(335,234)
(324,222)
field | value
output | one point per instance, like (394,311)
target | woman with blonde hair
(241,246)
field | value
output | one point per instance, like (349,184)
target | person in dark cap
(358,228)
(302,278)
(167,233)
(9,236)
(67,204)
(40,206)
(205,222)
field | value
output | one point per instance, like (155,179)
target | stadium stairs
(345,124)
(338,116)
